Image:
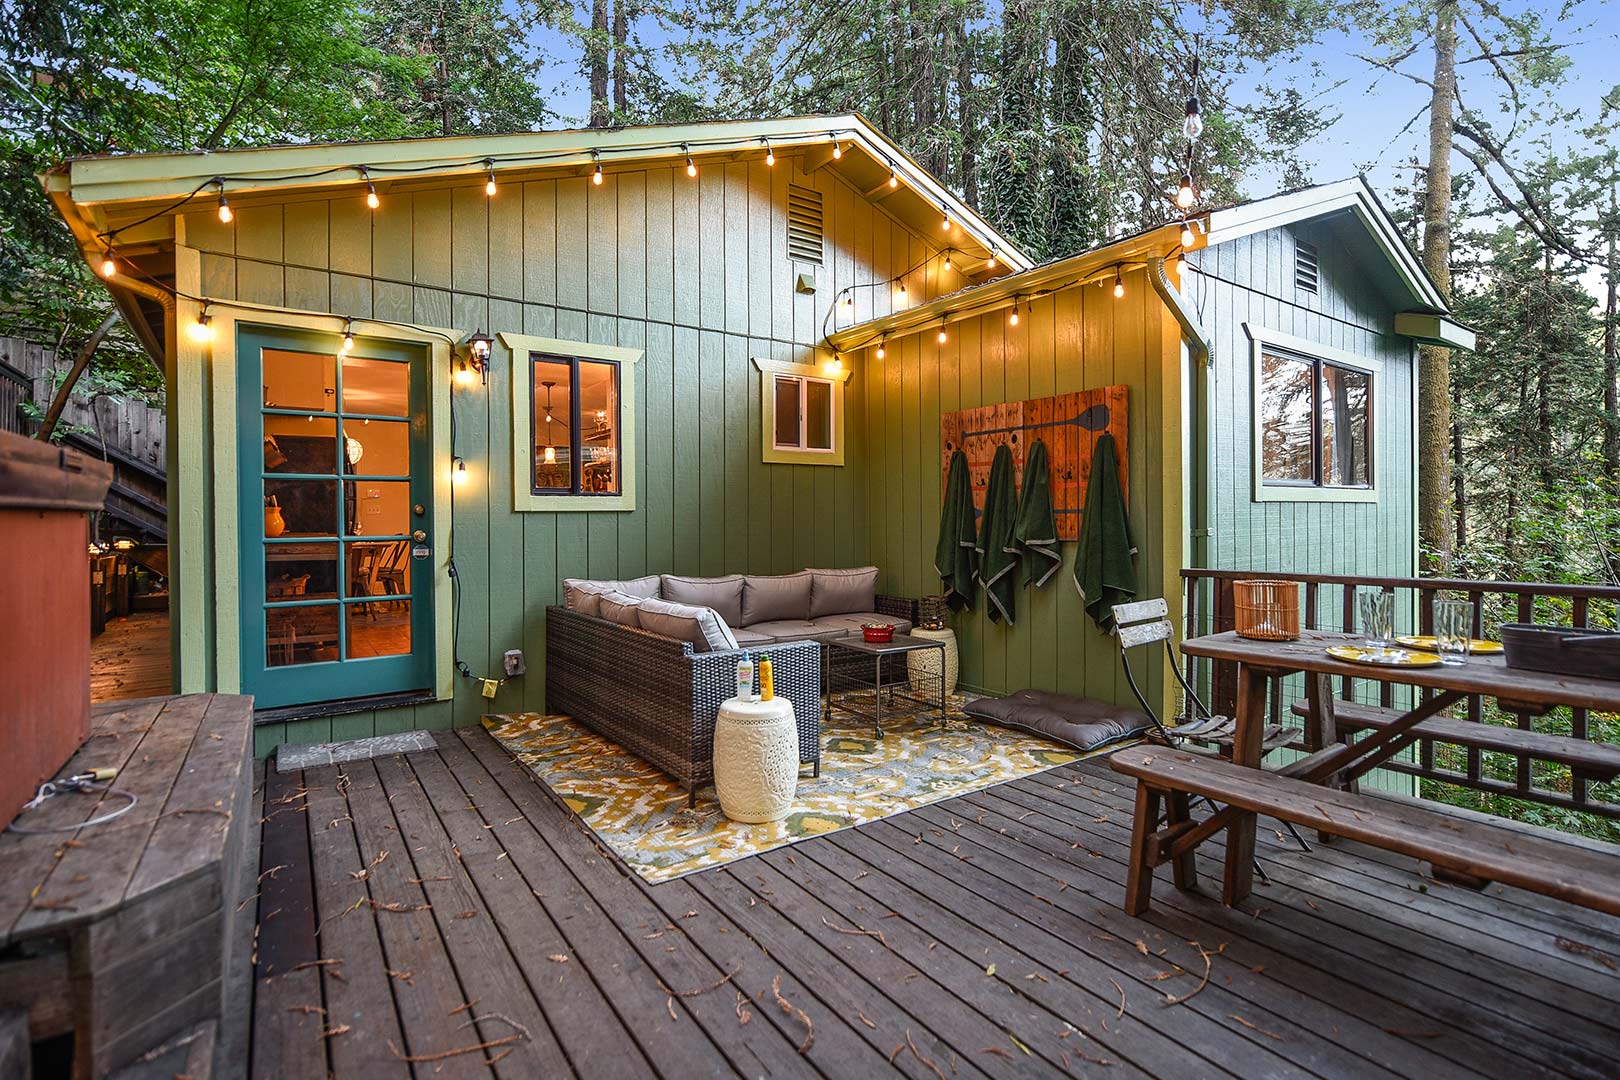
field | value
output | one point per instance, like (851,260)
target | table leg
(944,709)
(877,697)
(1246,751)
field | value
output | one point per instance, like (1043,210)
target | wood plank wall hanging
(1070,424)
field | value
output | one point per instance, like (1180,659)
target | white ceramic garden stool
(923,665)
(756,759)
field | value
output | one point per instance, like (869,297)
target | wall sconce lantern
(479,347)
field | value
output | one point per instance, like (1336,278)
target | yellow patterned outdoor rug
(642,814)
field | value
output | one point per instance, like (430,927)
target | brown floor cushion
(1083,723)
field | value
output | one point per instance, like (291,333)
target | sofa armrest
(897,607)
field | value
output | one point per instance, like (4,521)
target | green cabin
(414,385)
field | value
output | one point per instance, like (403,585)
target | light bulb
(1193,125)
(596,177)
(489,185)
(460,475)
(838,151)
(1012,320)
(990,263)
(881,350)
(108,267)
(1187,236)
(946,221)
(371,196)
(942,335)
(1181,265)
(1185,195)
(551,455)
(1119,286)
(203,329)
(691,166)
(225,214)
(833,366)
(846,301)
(348,344)
(464,374)
(902,290)
(947,260)
(894,181)
(770,155)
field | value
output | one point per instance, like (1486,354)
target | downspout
(1198,419)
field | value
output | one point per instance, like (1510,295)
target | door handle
(419,536)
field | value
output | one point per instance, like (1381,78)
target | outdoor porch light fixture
(489,185)
(596,177)
(371,189)
(225,214)
(479,347)
(770,155)
(691,167)
(203,329)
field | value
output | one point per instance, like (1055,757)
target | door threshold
(315,710)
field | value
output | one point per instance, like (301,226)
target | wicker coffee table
(847,693)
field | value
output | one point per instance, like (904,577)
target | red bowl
(878,633)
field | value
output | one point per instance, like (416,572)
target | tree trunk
(596,55)
(59,401)
(1459,493)
(1434,377)
(621,34)
(1611,357)
(966,121)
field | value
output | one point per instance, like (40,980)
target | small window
(804,224)
(1306,270)
(576,426)
(1315,422)
(802,409)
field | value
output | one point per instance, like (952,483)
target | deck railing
(1329,603)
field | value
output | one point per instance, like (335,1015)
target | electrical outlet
(514,663)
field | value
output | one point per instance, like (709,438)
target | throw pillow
(574,588)
(621,608)
(771,598)
(702,626)
(843,592)
(587,603)
(723,594)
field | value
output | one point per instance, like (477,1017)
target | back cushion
(843,592)
(723,594)
(621,608)
(587,603)
(702,626)
(769,599)
(573,588)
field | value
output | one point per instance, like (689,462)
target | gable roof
(1428,320)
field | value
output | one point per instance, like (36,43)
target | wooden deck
(411,907)
(130,658)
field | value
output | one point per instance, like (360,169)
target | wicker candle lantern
(1266,609)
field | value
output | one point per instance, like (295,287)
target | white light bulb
(108,267)
(1012,320)
(691,167)
(596,177)
(881,351)
(489,185)
(1119,287)
(1185,195)
(942,335)
(225,214)
(371,198)
(1187,236)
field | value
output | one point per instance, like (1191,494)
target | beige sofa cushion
(641,587)
(839,592)
(621,608)
(768,598)
(852,622)
(796,630)
(705,629)
(723,594)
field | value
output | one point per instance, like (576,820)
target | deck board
(1349,964)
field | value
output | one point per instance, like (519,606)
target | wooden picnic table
(1527,693)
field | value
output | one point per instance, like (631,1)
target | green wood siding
(1075,339)
(695,272)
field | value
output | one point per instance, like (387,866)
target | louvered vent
(804,224)
(1305,269)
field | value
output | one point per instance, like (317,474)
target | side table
(924,667)
(756,759)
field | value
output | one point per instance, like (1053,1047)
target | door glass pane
(300,571)
(787,411)
(379,629)
(376,386)
(1285,418)
(377,447)
(300,444)
(1346,445)
(299,380)
(818,422)
(301,635)
(553,412)
(300,508)
(376,507)
(599,426)
(378,567)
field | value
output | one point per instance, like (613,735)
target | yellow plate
(1382,657)
(1427,642)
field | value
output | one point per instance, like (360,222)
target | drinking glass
(1453,621)
(1377,609)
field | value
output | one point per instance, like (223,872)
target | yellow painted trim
(524,500)
(227,555)
(772,454)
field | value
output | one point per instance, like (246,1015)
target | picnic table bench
(1317,790)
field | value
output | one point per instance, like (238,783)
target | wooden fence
(123,426)
(1329,603)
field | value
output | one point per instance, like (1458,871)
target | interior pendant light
(550,453)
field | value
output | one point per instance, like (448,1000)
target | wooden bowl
(878,633)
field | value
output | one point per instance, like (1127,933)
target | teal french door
(335,489)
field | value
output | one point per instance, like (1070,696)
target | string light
(1185,194)
(1012,320)
(945,210)
(902,288)
(691,166)
(489,185)
(1181,264)
(770,155)
(1193,126)
(460,475)
(990,263)
(348,337)
(1119,284)
(838,150)
(1188,237)
(371,189)
(108,267)
(202,330)
(833,366)
(225,214)
(894,179)
(882,349)
(846,300)
(596,177)
(942,331)
(947,259)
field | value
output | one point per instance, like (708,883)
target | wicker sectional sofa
(657,695)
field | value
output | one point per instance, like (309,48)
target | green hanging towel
(954,555)
(1103,571)
(1036,528)
(998,549)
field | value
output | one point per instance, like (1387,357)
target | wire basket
(1265,609)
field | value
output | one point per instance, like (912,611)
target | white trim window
(802,413)
(1314,422)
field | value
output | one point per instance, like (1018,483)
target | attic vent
(1305,274)
(804,224)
